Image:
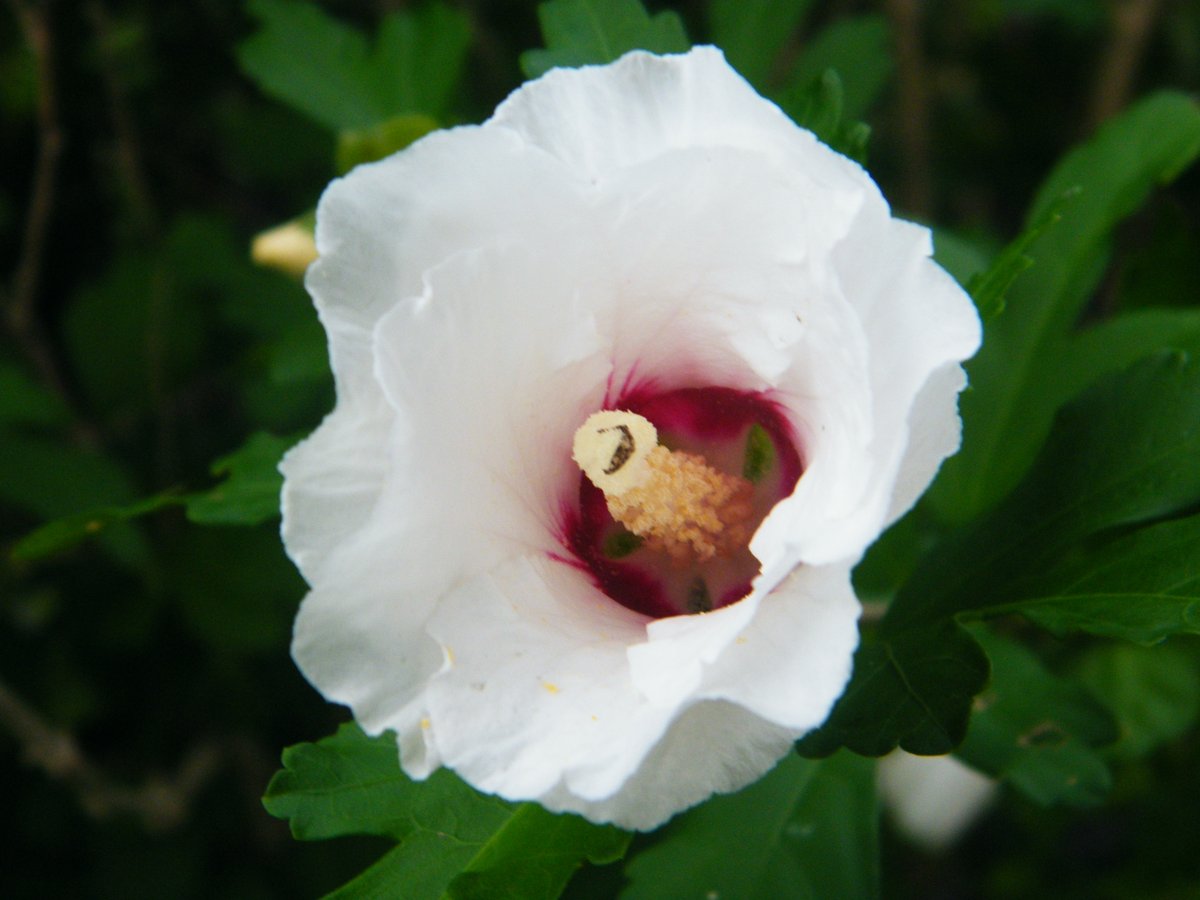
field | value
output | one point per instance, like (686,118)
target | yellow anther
(674,500)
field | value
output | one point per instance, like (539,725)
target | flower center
(674,486)
(677,503)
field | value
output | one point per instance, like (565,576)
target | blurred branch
(1132,24)
(917,190)
(22,293)
(161,803)
(130,174)
(128,148)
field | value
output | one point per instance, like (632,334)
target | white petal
(828,391)
(600,120)
(361,641)
(792,661)
(863,471)
(712,747)
(332,481)
(381,227)
(378,231)
(933,799)
(537,703)
(934,432)
(537,690)
(669,668)
(784,655)
(493,383)
(934,328)
(715,299)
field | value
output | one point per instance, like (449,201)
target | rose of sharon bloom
(654,239)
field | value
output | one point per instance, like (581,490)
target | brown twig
(916,194)
(1132,24)
(22,293)
(160,802)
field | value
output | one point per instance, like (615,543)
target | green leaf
(1117,343)
(818,107)
(989,287)
(286,365)
(859,49)
(140,331)
(1154,693)
(135,333)
(962,255)
(284,368)
(1038,731)
(911,689)
(752,32)
(809,829)
(454,842)
(51,480)
(298,357)
(534,856)
(369,144)
(421,868)
(589,32)
(1015,381)
(350,783)
(264,304)
(236,590)
(889,561)
(1161,269)
(24,402)
(419,59)
(62,534)
(326,69)
(250,493)
(1125,452)
(1141,587)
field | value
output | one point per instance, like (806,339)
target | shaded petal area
(537,703)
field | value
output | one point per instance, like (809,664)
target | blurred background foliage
(151,374)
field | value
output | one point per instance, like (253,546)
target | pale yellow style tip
(611,448)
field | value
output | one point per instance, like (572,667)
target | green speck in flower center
(760,454)
(621,543)
(698,598)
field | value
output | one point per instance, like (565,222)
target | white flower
(933,800)
(650,235)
